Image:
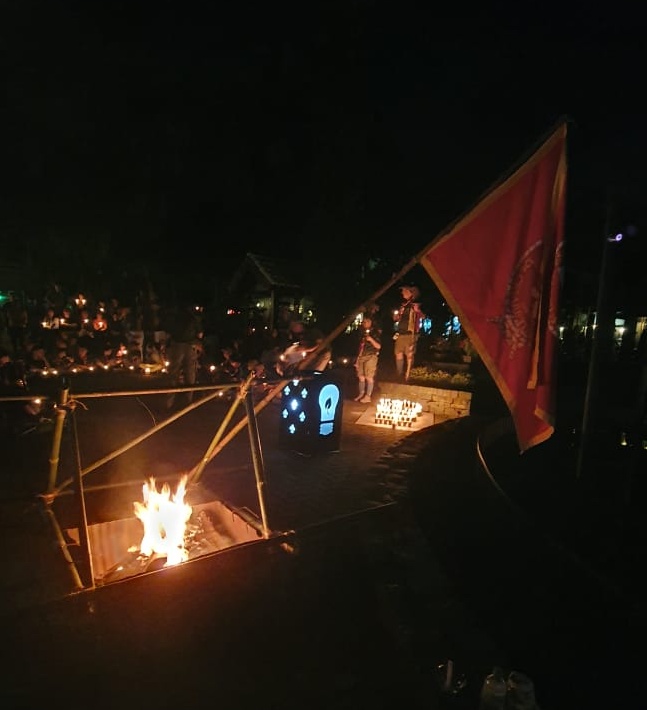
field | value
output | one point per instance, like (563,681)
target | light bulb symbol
(328,401)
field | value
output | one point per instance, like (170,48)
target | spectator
(49,328)
(185,332)
(81,356)
(108,358)
(154,356)
(99,331)
(294,353)
(271,357)
(67,321)
(295,358)
(367,360)
(231,363)
(312,339)
(86,329)
(135,330)
(50,320)
(283,323)
(37,359)
(62,359)
(296,331)
(117,322)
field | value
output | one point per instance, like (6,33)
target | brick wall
(444,404)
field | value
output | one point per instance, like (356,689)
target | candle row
(397,412)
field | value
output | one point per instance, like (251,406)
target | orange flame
(164,518)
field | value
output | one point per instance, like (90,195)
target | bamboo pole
(60,538)
(362,306)
(237,428)
(220,441)
(257,458)
(137,440)
(241,424)
(54,458)
(84,536)
(196,472)
(138,393)
(55,452)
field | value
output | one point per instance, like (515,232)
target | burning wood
(119,550)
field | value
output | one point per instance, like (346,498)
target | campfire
(164,517)
(173,531)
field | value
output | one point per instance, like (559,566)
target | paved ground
(390,556)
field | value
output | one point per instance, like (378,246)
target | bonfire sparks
(164,517)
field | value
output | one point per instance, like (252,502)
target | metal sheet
(114,545)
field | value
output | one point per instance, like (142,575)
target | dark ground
(403,552)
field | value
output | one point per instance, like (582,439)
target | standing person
(185,332)
(408,320)
(367,359)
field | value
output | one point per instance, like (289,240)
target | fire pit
(165,531)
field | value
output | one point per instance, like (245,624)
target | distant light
(616,238)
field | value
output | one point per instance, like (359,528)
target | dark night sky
(313,128)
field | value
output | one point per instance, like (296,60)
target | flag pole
(601,327)
(327,340)
(418,257)
(220,442)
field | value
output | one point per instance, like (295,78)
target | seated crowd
(107,335)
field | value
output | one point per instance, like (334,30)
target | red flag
(499,269)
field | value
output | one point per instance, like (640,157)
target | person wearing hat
(408,320)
